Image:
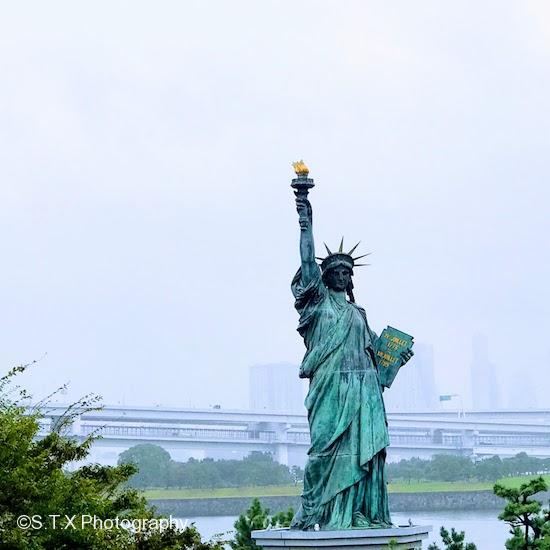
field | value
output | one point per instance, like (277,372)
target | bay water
(481,526)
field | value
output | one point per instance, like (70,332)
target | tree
(407,470)
(34,485)
(153,464)
(282,519)
(522,464)
(261,469)
(450,468)
(297,474)
(489,469)
(255,518)
(156,469)
(529,523)
(453,541)
(459,468)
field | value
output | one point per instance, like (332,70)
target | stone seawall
(399,502)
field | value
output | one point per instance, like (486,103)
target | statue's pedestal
(351,539)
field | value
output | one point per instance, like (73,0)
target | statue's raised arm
(307,247)
(301,186)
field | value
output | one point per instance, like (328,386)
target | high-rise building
(414,388)
(276,387)
(485,391)
(522,393)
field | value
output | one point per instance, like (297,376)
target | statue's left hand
(406,355)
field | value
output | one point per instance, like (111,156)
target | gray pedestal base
(353,539)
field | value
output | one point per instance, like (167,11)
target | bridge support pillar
(281,453)
(281,448)
(468,442)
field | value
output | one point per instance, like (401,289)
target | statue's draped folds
(344,482)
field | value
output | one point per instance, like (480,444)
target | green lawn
(290,490)
(226,492)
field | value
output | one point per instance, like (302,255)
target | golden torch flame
(300,168)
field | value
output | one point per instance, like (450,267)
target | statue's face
(338,278)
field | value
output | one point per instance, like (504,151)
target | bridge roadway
(223,433)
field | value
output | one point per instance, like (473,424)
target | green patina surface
(344,484)
(344,478)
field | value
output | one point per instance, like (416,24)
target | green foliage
(490,469)
(282,519)
(450,468)
(453,541)
(439,468)
(156,469)
(33,482)
(153,464)
(255,518)
(459,468)
(297,474)
(529,522)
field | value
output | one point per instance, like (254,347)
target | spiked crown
(335,259)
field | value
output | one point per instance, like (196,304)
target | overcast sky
(147,227)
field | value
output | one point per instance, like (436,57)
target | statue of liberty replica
(344,481)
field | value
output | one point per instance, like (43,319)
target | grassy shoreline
(294,490)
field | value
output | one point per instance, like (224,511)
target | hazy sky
(147,227)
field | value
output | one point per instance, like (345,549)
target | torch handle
(305,215)
(301,185)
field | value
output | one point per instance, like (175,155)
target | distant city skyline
(414,388)
(276,387)
(483,376)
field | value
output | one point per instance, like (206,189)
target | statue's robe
(344,482)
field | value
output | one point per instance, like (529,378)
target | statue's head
(337,269)
(338,277)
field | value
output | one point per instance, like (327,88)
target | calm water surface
(481,526)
